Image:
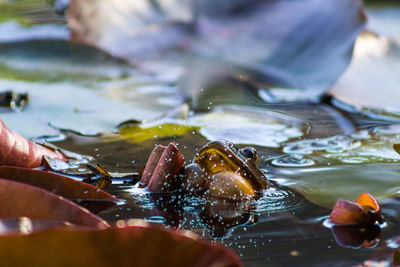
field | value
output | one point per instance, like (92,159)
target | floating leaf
(164,177)
(94,111)
(15,150)
(53,59)
(86,195)
(144,132)
(132,243)
(249,125)
(18,199)
(152,163)
(103,179)
(323,186)
(365,210)
(267,39)
(25,225)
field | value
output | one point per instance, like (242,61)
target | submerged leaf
(103,177)
(16,150)
(132,243)
(18,199)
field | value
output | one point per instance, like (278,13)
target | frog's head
(222,170)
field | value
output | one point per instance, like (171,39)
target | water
(313,153)
(285,226)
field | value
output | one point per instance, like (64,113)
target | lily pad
(269,40)
(15,150)
(55,183)
(25,225)
(358,148)
(68,106)
(132,242)
(247,125)
(324,186)
(18,199)
(140,133)
(28,56)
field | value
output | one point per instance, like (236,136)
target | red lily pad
(25,225)
(55,183)
(84,194)
(132,243)
(18,199)
(151,164)
(163,167)
(16,150)
(365,210)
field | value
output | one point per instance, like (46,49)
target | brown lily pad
(84,194)
(16,150)
(132,243)
(25,225)
(18,199)
(162,169)
(365,210)
(55,183)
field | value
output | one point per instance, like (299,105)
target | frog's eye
(250,153)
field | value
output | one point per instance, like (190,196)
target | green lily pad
(249,125)
(360,147)
(140,133)
(54,59)
(323,186)
(65,105)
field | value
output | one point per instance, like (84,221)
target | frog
(222,170)
(218,170)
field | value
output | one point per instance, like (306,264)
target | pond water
(312,152)
(282,227)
